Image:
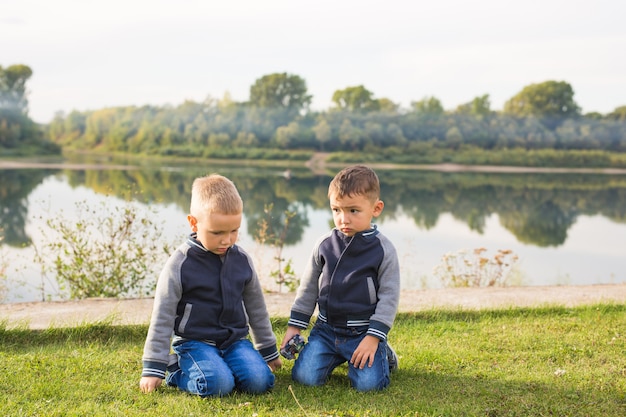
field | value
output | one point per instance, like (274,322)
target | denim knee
(220,385)
(251,373)
(215,385)
(369,384)
(257,382)
(307,371)
(374,378)
(306,376)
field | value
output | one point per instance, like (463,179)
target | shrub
(107,251)
(284,274)
(474,269)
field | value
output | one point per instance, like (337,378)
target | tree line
(277,120)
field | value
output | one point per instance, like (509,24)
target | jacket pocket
(183,321)
(371,289)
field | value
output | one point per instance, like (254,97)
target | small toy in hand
(293,347)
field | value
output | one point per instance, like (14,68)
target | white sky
(91,54)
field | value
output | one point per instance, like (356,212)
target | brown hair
(215,194)
(355,180)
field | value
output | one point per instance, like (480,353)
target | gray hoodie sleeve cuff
(299,320)
(269,353)
(378,329)
(151,368)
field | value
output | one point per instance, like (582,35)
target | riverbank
(43,315)
(319,164)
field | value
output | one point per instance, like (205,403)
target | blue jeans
(329,347)
(205,370)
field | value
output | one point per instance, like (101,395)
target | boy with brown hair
(208,297)
(353,277)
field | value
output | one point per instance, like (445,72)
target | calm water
(566,229)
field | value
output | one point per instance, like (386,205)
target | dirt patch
(137,311)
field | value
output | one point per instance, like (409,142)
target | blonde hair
(355,180)
(214,194)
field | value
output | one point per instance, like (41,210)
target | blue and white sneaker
(392,358)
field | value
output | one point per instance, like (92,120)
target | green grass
(551,361)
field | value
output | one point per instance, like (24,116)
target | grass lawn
(551,361)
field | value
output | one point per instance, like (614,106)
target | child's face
(354,214)
(217,232)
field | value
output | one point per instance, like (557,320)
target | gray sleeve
(308,290)
(258,317)
(168,293)
(389,285)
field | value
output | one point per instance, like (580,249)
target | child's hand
(365,352)
(149,383)
(275,364)
(291,332)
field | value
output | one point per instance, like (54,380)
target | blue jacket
(355,282)
(207,297)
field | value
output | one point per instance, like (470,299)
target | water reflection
(15,186)
(539,210)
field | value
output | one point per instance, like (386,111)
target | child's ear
(193,223)
(378,208)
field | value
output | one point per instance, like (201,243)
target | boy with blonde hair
(208,297)
(353,277)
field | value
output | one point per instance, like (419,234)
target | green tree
(428,105)
(387,106)
(375,133)
(287,136)
(354,99)
(19,135)
(593,115)
(280,90)
(349,135)
(479,106)
(551,100)
(245,140)
(323,132)
(394,135)
(619,114)
(13,88)
(454,137)
(75,125)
